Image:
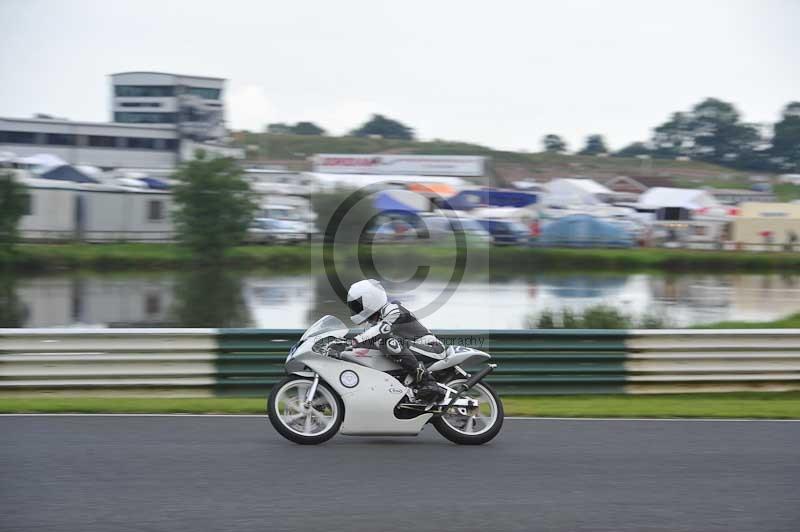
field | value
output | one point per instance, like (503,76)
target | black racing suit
(401,337)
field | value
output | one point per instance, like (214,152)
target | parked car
(439,227)
(506,233)
(395,230)
(271,231)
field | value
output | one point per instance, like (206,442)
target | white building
(192,103)
(159,119)
(92,143)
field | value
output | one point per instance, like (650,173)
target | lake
(260,299)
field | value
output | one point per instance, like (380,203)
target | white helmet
(364,299)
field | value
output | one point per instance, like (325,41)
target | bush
(595,317)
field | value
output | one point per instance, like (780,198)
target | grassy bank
(789,322)
(53,257)
(779,405)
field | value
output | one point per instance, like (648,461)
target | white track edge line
(516,418)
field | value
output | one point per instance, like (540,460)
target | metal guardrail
(249,361)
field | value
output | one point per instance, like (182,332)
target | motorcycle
(361,392)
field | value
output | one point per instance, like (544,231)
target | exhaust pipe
(472,381)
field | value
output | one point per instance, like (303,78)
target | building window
(140,104)
(60,139)
(171,144)
(203,92)
(102,141)
(155,210)
(144,118)
(144,91)
(27,204)
(144,144)
(17,137)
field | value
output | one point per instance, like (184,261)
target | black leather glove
(336,347)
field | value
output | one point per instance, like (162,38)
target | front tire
(474,428)
(302,422)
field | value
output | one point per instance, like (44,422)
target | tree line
(711,131)
(377,125)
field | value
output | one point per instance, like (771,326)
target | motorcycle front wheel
(474,427)
(302,421)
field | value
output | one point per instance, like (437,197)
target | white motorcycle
(361,392)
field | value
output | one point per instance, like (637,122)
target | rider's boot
(426,387)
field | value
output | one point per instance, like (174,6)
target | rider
(396,331)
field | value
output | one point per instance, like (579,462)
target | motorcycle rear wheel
(479,427)
(306,424)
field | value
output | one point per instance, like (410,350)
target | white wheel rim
(306,419)
(479,422)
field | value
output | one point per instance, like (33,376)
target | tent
(685,198)
(67,173)
(397,200)
(574,191)
(470,199)
(155,184)
(583,230)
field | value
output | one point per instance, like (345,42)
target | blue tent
(385,202)
(470,199)
(67,173)
(155,184)
(582,230)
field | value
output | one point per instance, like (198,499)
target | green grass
(789,322)
(301,258)
(297,148)
(777,405)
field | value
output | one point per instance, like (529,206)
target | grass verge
(48,257)
(757,405)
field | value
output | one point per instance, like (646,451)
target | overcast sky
(501,73)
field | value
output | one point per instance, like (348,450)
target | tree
(785,150)
(279,128)
(554,144)
(13,205)
(384,127)
(307,128)
(215,206)
(210,297)
(633,149)
(594,145)
(710,132)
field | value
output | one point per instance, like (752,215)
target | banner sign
(430,165)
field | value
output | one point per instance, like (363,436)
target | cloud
(249,107)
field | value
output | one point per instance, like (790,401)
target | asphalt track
(109,473)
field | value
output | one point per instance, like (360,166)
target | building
(628,188)
(735,196)
(193,104)
(92,143)
(158,120)
(767,226)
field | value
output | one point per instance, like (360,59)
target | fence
(247,362)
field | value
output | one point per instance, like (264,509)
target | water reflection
(13,312)
(209,297)
(216,298)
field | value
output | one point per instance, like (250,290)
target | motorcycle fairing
(369,405)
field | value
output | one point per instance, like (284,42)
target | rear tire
(300,423)
(450,426)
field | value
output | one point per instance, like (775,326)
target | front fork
(312,390)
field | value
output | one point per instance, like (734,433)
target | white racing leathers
(399,334)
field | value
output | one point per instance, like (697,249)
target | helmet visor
(356,306)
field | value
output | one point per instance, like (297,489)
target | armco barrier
(249,361)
